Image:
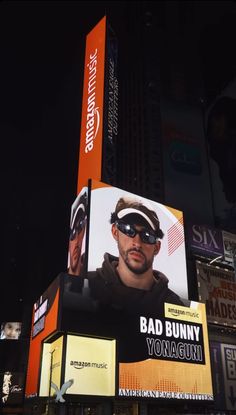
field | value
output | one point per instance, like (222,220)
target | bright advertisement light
(44,322)
(217,289)
(77,233)
(51,366)
(177,363)
(92,106)
(12,388)
(90,363)
(10,330)
(171,259)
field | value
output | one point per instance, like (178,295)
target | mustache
(134,249)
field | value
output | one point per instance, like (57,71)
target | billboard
(77,233)
(51,367)
(229,240)
(174,358)
(158,355)
(44,322)
(217,289)
(169,256)
(91,135)
(90,362)
(12,386)
(205,240)
(223,357)
(10,330)
(111,96)
(162,339)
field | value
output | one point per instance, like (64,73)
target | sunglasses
(146,236)
(77,229)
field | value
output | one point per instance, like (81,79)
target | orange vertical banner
(91,133)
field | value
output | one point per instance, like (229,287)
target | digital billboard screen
(173,360)
(77,233)
(223,357)
(10,330)
(91,135)
(12,388)
(136,294)
(167,253)
(51,366)
(217,289)
(44,323)
(90,363)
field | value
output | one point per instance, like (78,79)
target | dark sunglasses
(146,236)
(77,229)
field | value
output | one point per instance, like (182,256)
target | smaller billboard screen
(205,240)
(12,388)
(51,367)
(229,240)
(91,134)
(10,330)
(44,322)
(223,357)
(217,289)
(77,234)
(90,363)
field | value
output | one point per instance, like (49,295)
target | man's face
(75,246)
(137,255)
(12,330)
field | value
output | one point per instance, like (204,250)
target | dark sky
(41,73)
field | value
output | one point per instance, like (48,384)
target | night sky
(41,74)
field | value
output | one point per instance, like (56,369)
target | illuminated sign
(12,388)
(224,375)
(229,240)
(90,362)
(51,366)
(77,233)
(44,323)
(205,240)
(171,258)
(174,358)
(10,330)
(217,289)
(92,106)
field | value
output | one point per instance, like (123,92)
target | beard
(137,268)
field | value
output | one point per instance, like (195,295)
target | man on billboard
(77,232)
(128,282)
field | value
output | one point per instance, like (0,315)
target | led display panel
(162,339)
(90,363)
(173,360)
(217,289)
(170,260)
(10,330)
(12,388)
(229,246)
(205,240)
(224,375)
(91,135)
(77,233)
(44,322)
(51,366)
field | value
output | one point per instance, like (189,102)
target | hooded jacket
(107,288)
